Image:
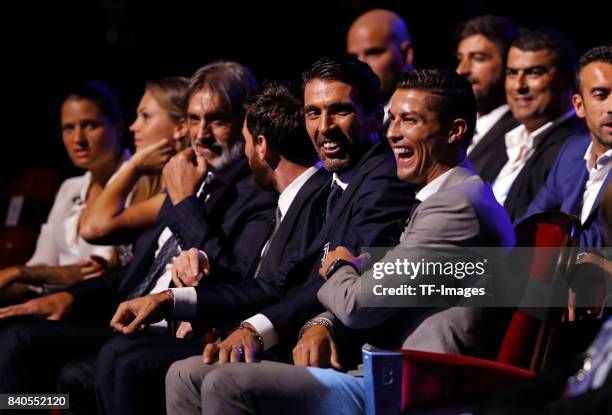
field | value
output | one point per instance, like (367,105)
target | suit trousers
(33,350)
(130,372)
(266,387)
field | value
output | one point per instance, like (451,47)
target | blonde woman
(132,201)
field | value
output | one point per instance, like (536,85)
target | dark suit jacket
(227,303)
(370,213)
(564,190)
(533,175)
(489,155)
(236,222)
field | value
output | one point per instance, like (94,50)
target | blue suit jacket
(235,222)
(565,187)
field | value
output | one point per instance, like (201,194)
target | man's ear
(261,147)
(578,105)
(407,53)
(457,130)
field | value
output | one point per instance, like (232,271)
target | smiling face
(419,141)
(338,125)
(535,89)
(90,138)
(214,130)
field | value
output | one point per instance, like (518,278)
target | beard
(229,154)
(262,176)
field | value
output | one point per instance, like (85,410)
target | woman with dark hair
(92,126)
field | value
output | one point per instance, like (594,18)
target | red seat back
(527,332)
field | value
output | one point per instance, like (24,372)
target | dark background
(126,42)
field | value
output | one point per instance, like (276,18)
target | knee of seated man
(231,378)
(17,338)
(187,372)
(112,350)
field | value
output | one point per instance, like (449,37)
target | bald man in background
(381,39)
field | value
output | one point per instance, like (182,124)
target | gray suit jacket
(463,213)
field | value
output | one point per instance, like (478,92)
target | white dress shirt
(59,242)
(520,146)
(186,298)
(598,170)
(485,122)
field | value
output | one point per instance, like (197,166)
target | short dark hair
(498,29)
(596,54)
(561,47)
(101,95)
(351,71)
(230,80)
(453,97)
(274,111)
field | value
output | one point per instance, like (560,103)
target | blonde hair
(170,93)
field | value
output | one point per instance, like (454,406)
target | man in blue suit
(581,172)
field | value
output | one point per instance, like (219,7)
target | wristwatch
(338,263)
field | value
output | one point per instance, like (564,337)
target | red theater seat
(406,380)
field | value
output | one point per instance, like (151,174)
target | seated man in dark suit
(432,113)
(539,75)
(281,157)
(483,44)
(232,219)
(582,170)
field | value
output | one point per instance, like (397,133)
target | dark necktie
(277,222)
(168,249)
(332,198)
(167,252)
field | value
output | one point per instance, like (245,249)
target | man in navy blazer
(483,44)
(581,173)
(33,349)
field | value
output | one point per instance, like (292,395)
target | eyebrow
(529,68)
(336,106)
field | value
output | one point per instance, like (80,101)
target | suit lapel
(374,157)
(489,155)
(286,229)
(595,208)
(224,180)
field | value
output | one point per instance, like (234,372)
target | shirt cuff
(265,328)
(185,303)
